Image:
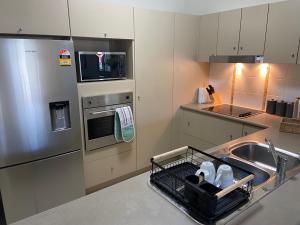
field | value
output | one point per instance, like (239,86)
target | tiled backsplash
(250,88)
(284,82)
(220,76)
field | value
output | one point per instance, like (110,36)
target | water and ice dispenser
(60,115)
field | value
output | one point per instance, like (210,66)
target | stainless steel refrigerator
(41,162)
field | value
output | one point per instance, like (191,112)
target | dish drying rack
(169,172)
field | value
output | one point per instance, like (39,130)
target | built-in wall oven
(99,115)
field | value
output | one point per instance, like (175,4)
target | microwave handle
(100,112)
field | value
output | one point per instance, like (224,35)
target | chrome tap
(280,161)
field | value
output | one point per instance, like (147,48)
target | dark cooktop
(232,110)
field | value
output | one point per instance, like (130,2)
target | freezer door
(31,188)
(39,114)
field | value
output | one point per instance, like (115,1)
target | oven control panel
(106,100)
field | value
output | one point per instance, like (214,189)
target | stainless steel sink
(260,175)
(259,155)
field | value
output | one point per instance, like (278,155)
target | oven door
(99,127)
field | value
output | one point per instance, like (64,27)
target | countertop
(134,202)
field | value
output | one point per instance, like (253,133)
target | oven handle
(100,112)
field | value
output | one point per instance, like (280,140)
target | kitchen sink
(260,175)
(259,155)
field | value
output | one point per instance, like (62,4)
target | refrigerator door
(39,112)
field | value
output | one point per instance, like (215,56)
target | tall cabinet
(188,73)
(154,38)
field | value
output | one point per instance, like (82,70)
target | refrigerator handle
(2,213)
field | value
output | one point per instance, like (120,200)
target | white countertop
(134,202)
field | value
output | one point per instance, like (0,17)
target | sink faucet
(280,161)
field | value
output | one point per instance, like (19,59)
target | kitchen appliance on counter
(99,116)
(296,112)
(281,108)
(101,66)
(41,162)
(233,111)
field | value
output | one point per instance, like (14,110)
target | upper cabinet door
(39,17)
(90,18)
(229,30)
(253,30)
(208,36)
(283,32)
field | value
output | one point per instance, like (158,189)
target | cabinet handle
(231,137)
(293,55)
(234,48)
(105,35)
(188,124)
(139,98)
(241,47)
(19,30)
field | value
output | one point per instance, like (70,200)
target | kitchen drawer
(211,129)
(108,168)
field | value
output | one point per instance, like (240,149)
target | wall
(196,7)
(252,87)
(284,82)
(188,73)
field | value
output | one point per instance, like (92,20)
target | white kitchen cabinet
(283,32)
(154,44)
(38,17)
(249,129)
(91,18)
(253,30)
(188,73)
(106,168)
(195,142)
(211,129)
(228,34)
(208,36)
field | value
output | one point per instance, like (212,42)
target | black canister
(280,108)
(289,110)
(271,106)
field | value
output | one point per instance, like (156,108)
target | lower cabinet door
(248,129)
(108,168)
(211,129)
(188,140)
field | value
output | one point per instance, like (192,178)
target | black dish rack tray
(169,172)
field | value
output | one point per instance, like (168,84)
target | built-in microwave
(100,66)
